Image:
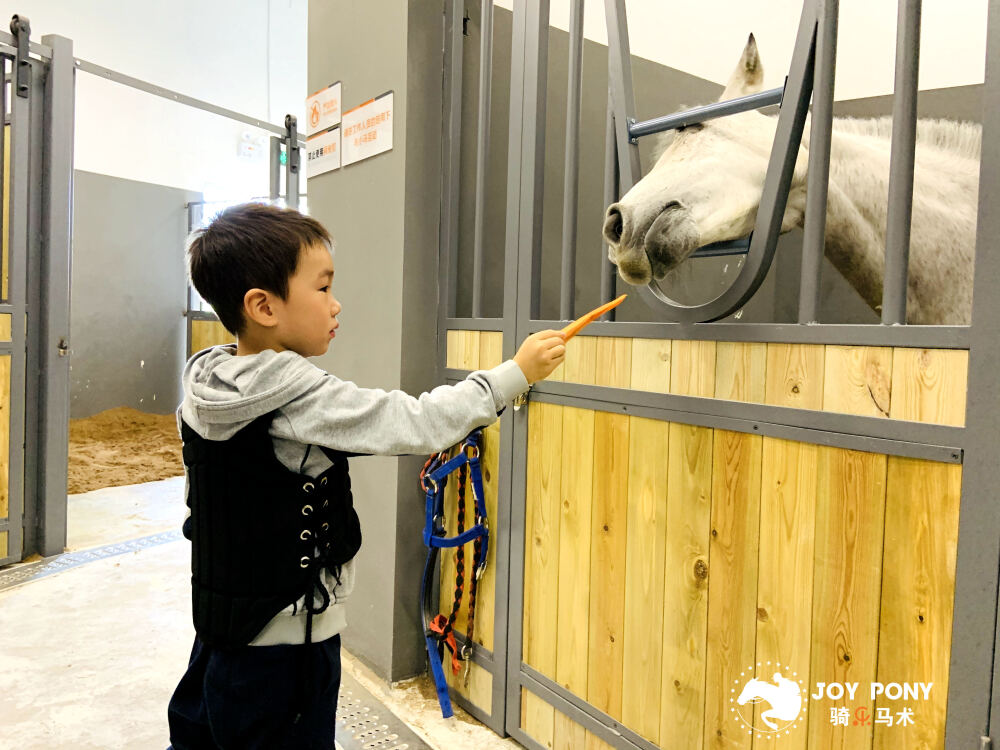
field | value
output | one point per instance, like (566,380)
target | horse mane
(960,138)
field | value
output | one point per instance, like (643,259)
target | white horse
(784,696)
(707,184)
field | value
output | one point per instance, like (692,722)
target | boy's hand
(540,354)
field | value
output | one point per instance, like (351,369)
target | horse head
(705,187)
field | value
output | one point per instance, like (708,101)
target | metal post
(291,163)
(813,240)
(974,636)
(706,112)
(608,271)
(904,139)
(52,333)
(274,169)
(452,152)
(482,153)
(620,87)
(572,160)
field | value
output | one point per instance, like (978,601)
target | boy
(266,439)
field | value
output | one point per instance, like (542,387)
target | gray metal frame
(975,658)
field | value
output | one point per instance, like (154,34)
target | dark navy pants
(248,698)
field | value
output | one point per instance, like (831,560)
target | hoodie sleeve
(340,415)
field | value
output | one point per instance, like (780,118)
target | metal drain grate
(364,723)
(33,571)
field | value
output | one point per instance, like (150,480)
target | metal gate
(37,101)
(509,684)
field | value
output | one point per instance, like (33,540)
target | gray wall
(127,333)
(383,215)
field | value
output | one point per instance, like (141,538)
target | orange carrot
(578,325)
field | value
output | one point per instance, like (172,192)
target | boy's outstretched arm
(341,415)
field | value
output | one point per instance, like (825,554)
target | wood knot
(920,618)
(605,527)
(795,388)
(487,474)
(847,656)
(677,684)
(715,532)
(762,614)
(611,638)
(700,570)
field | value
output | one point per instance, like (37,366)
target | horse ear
(748,78)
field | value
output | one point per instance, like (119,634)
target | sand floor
(122,446)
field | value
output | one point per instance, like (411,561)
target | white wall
(706,39)
(245,55)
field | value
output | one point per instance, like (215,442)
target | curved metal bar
(784,151)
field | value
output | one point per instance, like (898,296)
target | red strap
(438,625)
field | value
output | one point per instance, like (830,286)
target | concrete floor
(89,656)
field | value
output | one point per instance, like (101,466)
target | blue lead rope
(433,481)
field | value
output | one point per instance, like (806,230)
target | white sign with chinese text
(323,152)
(367,129)
(323,109)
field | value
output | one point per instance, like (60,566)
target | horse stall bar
(703,516)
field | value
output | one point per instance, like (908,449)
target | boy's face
(307,319)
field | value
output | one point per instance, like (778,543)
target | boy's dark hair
(249,246)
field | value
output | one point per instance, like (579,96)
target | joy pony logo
(783,696)
(314,114)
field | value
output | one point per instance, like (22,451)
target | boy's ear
(258,307)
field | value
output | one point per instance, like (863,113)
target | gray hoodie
(223,393)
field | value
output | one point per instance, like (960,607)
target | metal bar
(23,533)
(571,182)
(901,158)
(774,197)
(52,334)
(190,101)
(591,718)
(4,187)
(452,151)
(608,269)
(707,112)
(719,249)
(523,162)
(973,709)
(292,160)
(274,169)
(482,153)
(813,240)
(8,40)
(473,324)
(533,155)
(925,337)
(622,94)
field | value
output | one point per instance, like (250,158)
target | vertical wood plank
(490,349)
(847,583)
(537,718)
(479,690)
(4,436)
(785,577)
(541,562)
(614,361)
(4,282)
(607,562)
(918,590)
(5,327)
(206,333)
(593,742)
(463,350)
(486,596)
(795,375)
(644,560)
(685,596)
(740,370)
(732,590)
(3,544)
(650,365)
(692,368)
(929,385)
(857,380)
(581,360)
(573,634)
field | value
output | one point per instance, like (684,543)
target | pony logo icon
(780,697)
(314,114)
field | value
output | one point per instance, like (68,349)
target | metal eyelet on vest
(305,535)
(308,486)
(307,510)
(326,503)
(323,481)
(325,526)
(304,562)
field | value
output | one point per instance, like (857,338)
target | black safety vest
(261,534)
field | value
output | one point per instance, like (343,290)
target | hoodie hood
(223,393)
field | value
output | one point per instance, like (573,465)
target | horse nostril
(614,225)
